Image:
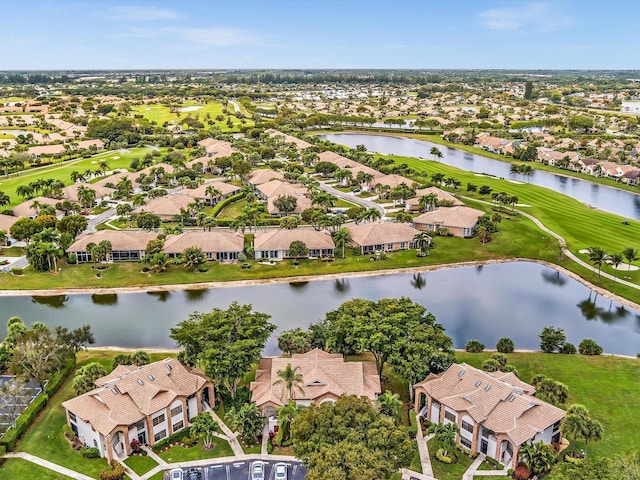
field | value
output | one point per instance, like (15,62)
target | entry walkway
(48,465)
(232,437)
(473,471)
(423,450)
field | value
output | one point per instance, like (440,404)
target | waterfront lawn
(161,113)
(518,238)
(221,448)
(62,171)
(17,468)
(141,464)
(608,386)
(45,439)
(442,471)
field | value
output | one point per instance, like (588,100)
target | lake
(621,202)
(487,302)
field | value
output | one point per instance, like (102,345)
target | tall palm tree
(630,255)
(4,199)
(389,404)
(428,202)
(290,380)
(483,233)
(286,415)
(341,238)
(573,427)
(422,242)
(615,259)
(373,214)
(212,192)
(597,256)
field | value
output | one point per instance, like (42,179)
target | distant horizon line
(313,69)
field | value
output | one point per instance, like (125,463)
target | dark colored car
(194,474)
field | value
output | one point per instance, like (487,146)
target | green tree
(342,238)
(24,229)
(589,346)
(204,426)
(73,224)
(389,404)
(285,203)
(85,376)
(290,380)
(615,259)
(444,434)
(225,343)
(505,345)
(630,255)
(597,256)
(298,249)
(192,258)
(148,221)
(538,457)
(247,421)
(422,242)
(286,416)
(294,341)
(552,339)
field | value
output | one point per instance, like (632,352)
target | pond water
(621,202)
(510,299)
(16,132)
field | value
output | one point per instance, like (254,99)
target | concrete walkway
(563,244)
(48,465)
(473,471)
(265,438)
(232,437)
(468,475)
(352,198)
(154,455)
(423,450)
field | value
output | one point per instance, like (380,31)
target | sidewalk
(49,465)
(232,437)
(423,450)
(473,471)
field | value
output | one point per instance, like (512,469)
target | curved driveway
(352,198)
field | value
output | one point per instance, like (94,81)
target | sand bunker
(190,109)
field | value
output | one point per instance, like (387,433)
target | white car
(176,474)
(257,471)
(280,470)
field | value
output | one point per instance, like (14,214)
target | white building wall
(161,426)
(452,412)
(88,435)
(434,415)
(545,435)
(193,407)
(464,433)
(179,417)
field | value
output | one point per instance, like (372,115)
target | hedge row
(220,205)
(176,437)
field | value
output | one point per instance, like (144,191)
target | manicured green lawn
(160,476)
(443,471)
(45,438)
(16,468)
(62,171)
(221,448)
(141,465)
(608,386)
(232,210)
(160,114)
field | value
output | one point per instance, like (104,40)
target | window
(72,417)
(158,420)
(95,443)
(466,442)
(176,411)
(467,426)
(450,416)
(160,435)
(178,426)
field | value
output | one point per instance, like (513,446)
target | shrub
(521,473)
(135,445)
(55,382)
(490,365)
(176,437)
(17,271)
(442,457)
(356,251)
(500,358)
(116,473)
(505,345)
(203,269)
(242,257)
(552,339)
(72,259)
(8,441)
(573,460)
(568,348)
(90,452)
(188,440)
(589,347)
(510,369)
(474,346)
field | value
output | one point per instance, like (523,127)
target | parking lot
(240,471)
(30,391)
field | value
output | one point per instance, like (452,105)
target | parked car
(257,470)
(280,470)
(176,474)
(194,474)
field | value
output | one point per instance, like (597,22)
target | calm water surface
(511,299)
(609,199)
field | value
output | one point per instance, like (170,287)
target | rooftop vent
(140,382)
(168,367)
(487,388)
(461,373)
(512,398)
(114,391)
(478,383)
(151,377)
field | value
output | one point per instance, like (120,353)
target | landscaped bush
(55,382)
(90,452)
(188,441)
(474,346)
(589,347)
(505,345)
(116,473)
(573,460)
(72,259)
(17,271)
(490,365)
(510,369)
(568,348)
(176,437)
(521,473)
(500,358)
(442,457)
(8,441)
(227,201)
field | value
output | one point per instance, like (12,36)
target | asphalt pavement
(240,471)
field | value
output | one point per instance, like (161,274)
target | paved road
(236,107)
(352,198)
(98,219)
(240,471)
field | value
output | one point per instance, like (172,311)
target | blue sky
(210,34)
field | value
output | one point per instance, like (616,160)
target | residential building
(262,175)
(167,207)
(145,403)
(32,208)
(102,193)
(495,412)
(459,221)
(413,204)
(274,244)
(6,221)
(226,190)
(325,378)
(125,244)
(382,236)
(222,246)
(300,144)
(217,148)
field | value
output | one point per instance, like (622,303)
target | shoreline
(310,278)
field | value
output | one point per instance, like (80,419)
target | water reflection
(161,296)
(195,295)
(106,299)
(418,281)
(342,285)
(610,315)
(298,285)
(54,301)
(553,277)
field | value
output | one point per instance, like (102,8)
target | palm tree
(444,434)
(212,192)
(597,256)
(573,426)
(615,259)
(104,166)
(4,199)
(631,255)
(538,457)
(290,380)
(483,233)
(373,214)
(341,238)
(389,404)
(428,202)
(592,431)
(286,415)
(422,242)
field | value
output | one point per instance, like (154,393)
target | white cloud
(140,13)
(532,17)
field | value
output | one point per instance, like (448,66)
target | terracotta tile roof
(209,242)
(167,206)
(133,176)
(301,205)
(24,209)
(276,188)
(300,144)
(441,194)
(380,233)
(130,393)
(263,175)
(345,163)
(323,374)
(46,149)
(120,240)
(499,401)
(394,180)
(280,239)
(71,192)
(217,148)
(6,221)
(457,217)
